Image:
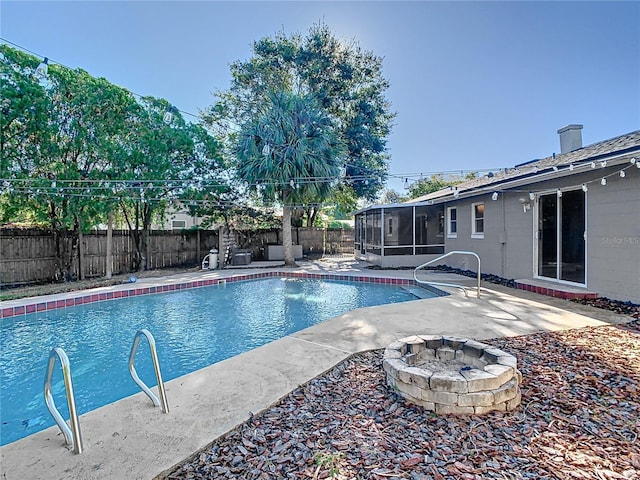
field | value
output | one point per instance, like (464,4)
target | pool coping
(72,299)
(131,439)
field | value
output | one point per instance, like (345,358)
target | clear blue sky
(475,84)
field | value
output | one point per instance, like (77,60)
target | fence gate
(347,239)
(339,242)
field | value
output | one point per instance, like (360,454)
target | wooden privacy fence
(331,241)
(29,255)
(26,256)
(314,241)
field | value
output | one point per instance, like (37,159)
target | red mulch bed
(579,419)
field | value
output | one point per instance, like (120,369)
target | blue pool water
(192,328)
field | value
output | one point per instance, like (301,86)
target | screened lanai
(400,234)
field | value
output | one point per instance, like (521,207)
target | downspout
(382,230)
(503,240)
(413,227)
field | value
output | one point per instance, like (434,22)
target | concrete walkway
(131,439)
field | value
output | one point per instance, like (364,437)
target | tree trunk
(289,260)
(134,233)
(65,254)
(141,247)
(137,256)
(57,267)
(311,217)
(58,270)
(145,247)
(79,238)
(64,247)
(109,265)
(297,215)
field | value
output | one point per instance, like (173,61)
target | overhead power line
(9,42)
(364,176)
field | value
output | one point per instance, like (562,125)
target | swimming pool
(193,328)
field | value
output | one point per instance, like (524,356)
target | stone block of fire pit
(453,375)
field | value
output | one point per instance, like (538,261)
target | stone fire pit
(448,374)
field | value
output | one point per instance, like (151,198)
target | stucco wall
(490,248)
(613,232)
(508,246)
(613,237)
(520,234)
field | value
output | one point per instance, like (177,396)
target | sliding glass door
(561,236)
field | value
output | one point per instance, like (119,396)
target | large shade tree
(74,148)
(24,107)
(290,152)
(348,86)
(25,135)
(165,159)
(57,135)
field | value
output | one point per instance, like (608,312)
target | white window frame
(178,227)
(450,222)
(474,232)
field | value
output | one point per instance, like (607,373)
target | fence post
(81,267)
(109,254)
(198,259)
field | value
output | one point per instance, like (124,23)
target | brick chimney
(570,138)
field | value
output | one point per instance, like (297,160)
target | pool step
(418,292)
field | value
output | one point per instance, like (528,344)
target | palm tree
(291,154)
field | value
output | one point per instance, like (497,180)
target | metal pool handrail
(71,435)
(459,252)
(156,366)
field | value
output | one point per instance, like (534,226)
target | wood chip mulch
(579,419)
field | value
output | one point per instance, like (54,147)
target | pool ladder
(156,366)
(455,252)
(72,434)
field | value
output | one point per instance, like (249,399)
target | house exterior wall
(613,237)
(489,247)
(176,221)
(612,228)
(609,230)
(507,247)
(509,243)
(520,235)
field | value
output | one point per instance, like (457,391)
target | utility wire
(257,182)
(68,187)
(65,66)
(401,176)
(119,185)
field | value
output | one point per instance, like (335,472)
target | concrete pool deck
(132,439)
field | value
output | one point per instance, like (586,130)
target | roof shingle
(621,144)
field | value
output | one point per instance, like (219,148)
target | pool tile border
(40,306)
(552,292)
